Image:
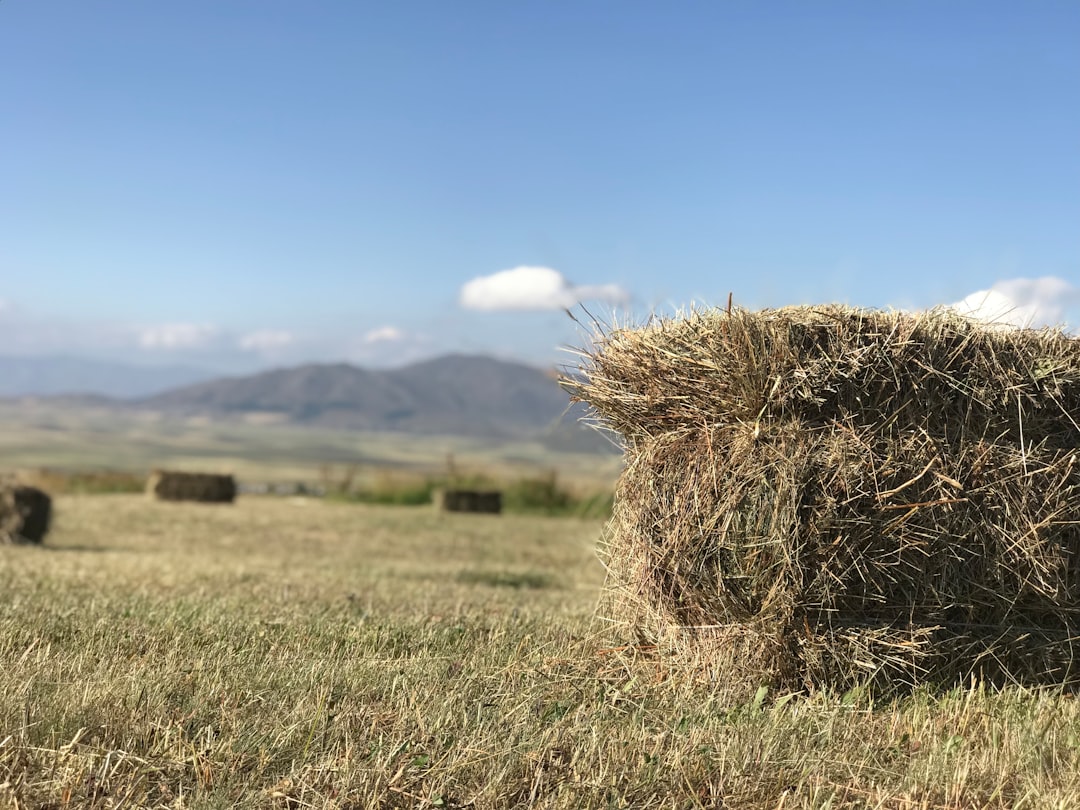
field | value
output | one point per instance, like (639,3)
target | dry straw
(824,496)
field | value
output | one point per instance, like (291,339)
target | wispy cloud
(266,340)
(385,334)
(174,336)
(384,345)
(533,288)
(209,345)
(1022,302)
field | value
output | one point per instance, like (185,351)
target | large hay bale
(469,500)
(820,496)
(182,486)
(25,513)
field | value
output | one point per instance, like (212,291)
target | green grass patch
(507,579)
(540,494)
(85,482)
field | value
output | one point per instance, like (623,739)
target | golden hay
(823,496)
(182,486)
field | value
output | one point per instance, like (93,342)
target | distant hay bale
(25,513)
(181,486)
(469,500)
(823,496)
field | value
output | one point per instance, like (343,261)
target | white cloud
(171,336)
(533,288)
(6,306)
(385,334)
(1022,302)
(266,340)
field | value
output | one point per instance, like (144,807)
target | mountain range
(452,395)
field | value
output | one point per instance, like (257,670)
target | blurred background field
(82,449)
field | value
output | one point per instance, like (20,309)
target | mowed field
(293,653)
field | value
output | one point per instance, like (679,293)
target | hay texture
(25,513)
(182,486)
(469,500)
(823,496)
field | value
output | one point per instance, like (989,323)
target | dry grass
(290,654)
(822,495)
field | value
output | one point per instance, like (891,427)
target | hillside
(451,395)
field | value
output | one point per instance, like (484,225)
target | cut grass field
(289,653)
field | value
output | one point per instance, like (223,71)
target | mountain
(50,375)
(451,395)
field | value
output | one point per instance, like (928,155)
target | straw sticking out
(821,495)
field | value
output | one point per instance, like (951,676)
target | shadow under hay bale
(25,513)
(181,486)
(469,500)
(822,496)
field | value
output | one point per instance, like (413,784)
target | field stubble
(295,653)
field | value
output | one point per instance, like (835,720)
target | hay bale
(181,486)
(25,513)
(823,496)
(469,500)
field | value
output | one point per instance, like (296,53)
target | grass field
(289,653)
(43,434)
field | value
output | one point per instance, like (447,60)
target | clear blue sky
(243,183)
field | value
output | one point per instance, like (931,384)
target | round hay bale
(25,514)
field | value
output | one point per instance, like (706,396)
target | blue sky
(244,183)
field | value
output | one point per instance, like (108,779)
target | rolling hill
(451,395)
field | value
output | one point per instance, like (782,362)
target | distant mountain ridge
(451,395)
(466,395)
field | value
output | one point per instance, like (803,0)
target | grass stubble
(295,653)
